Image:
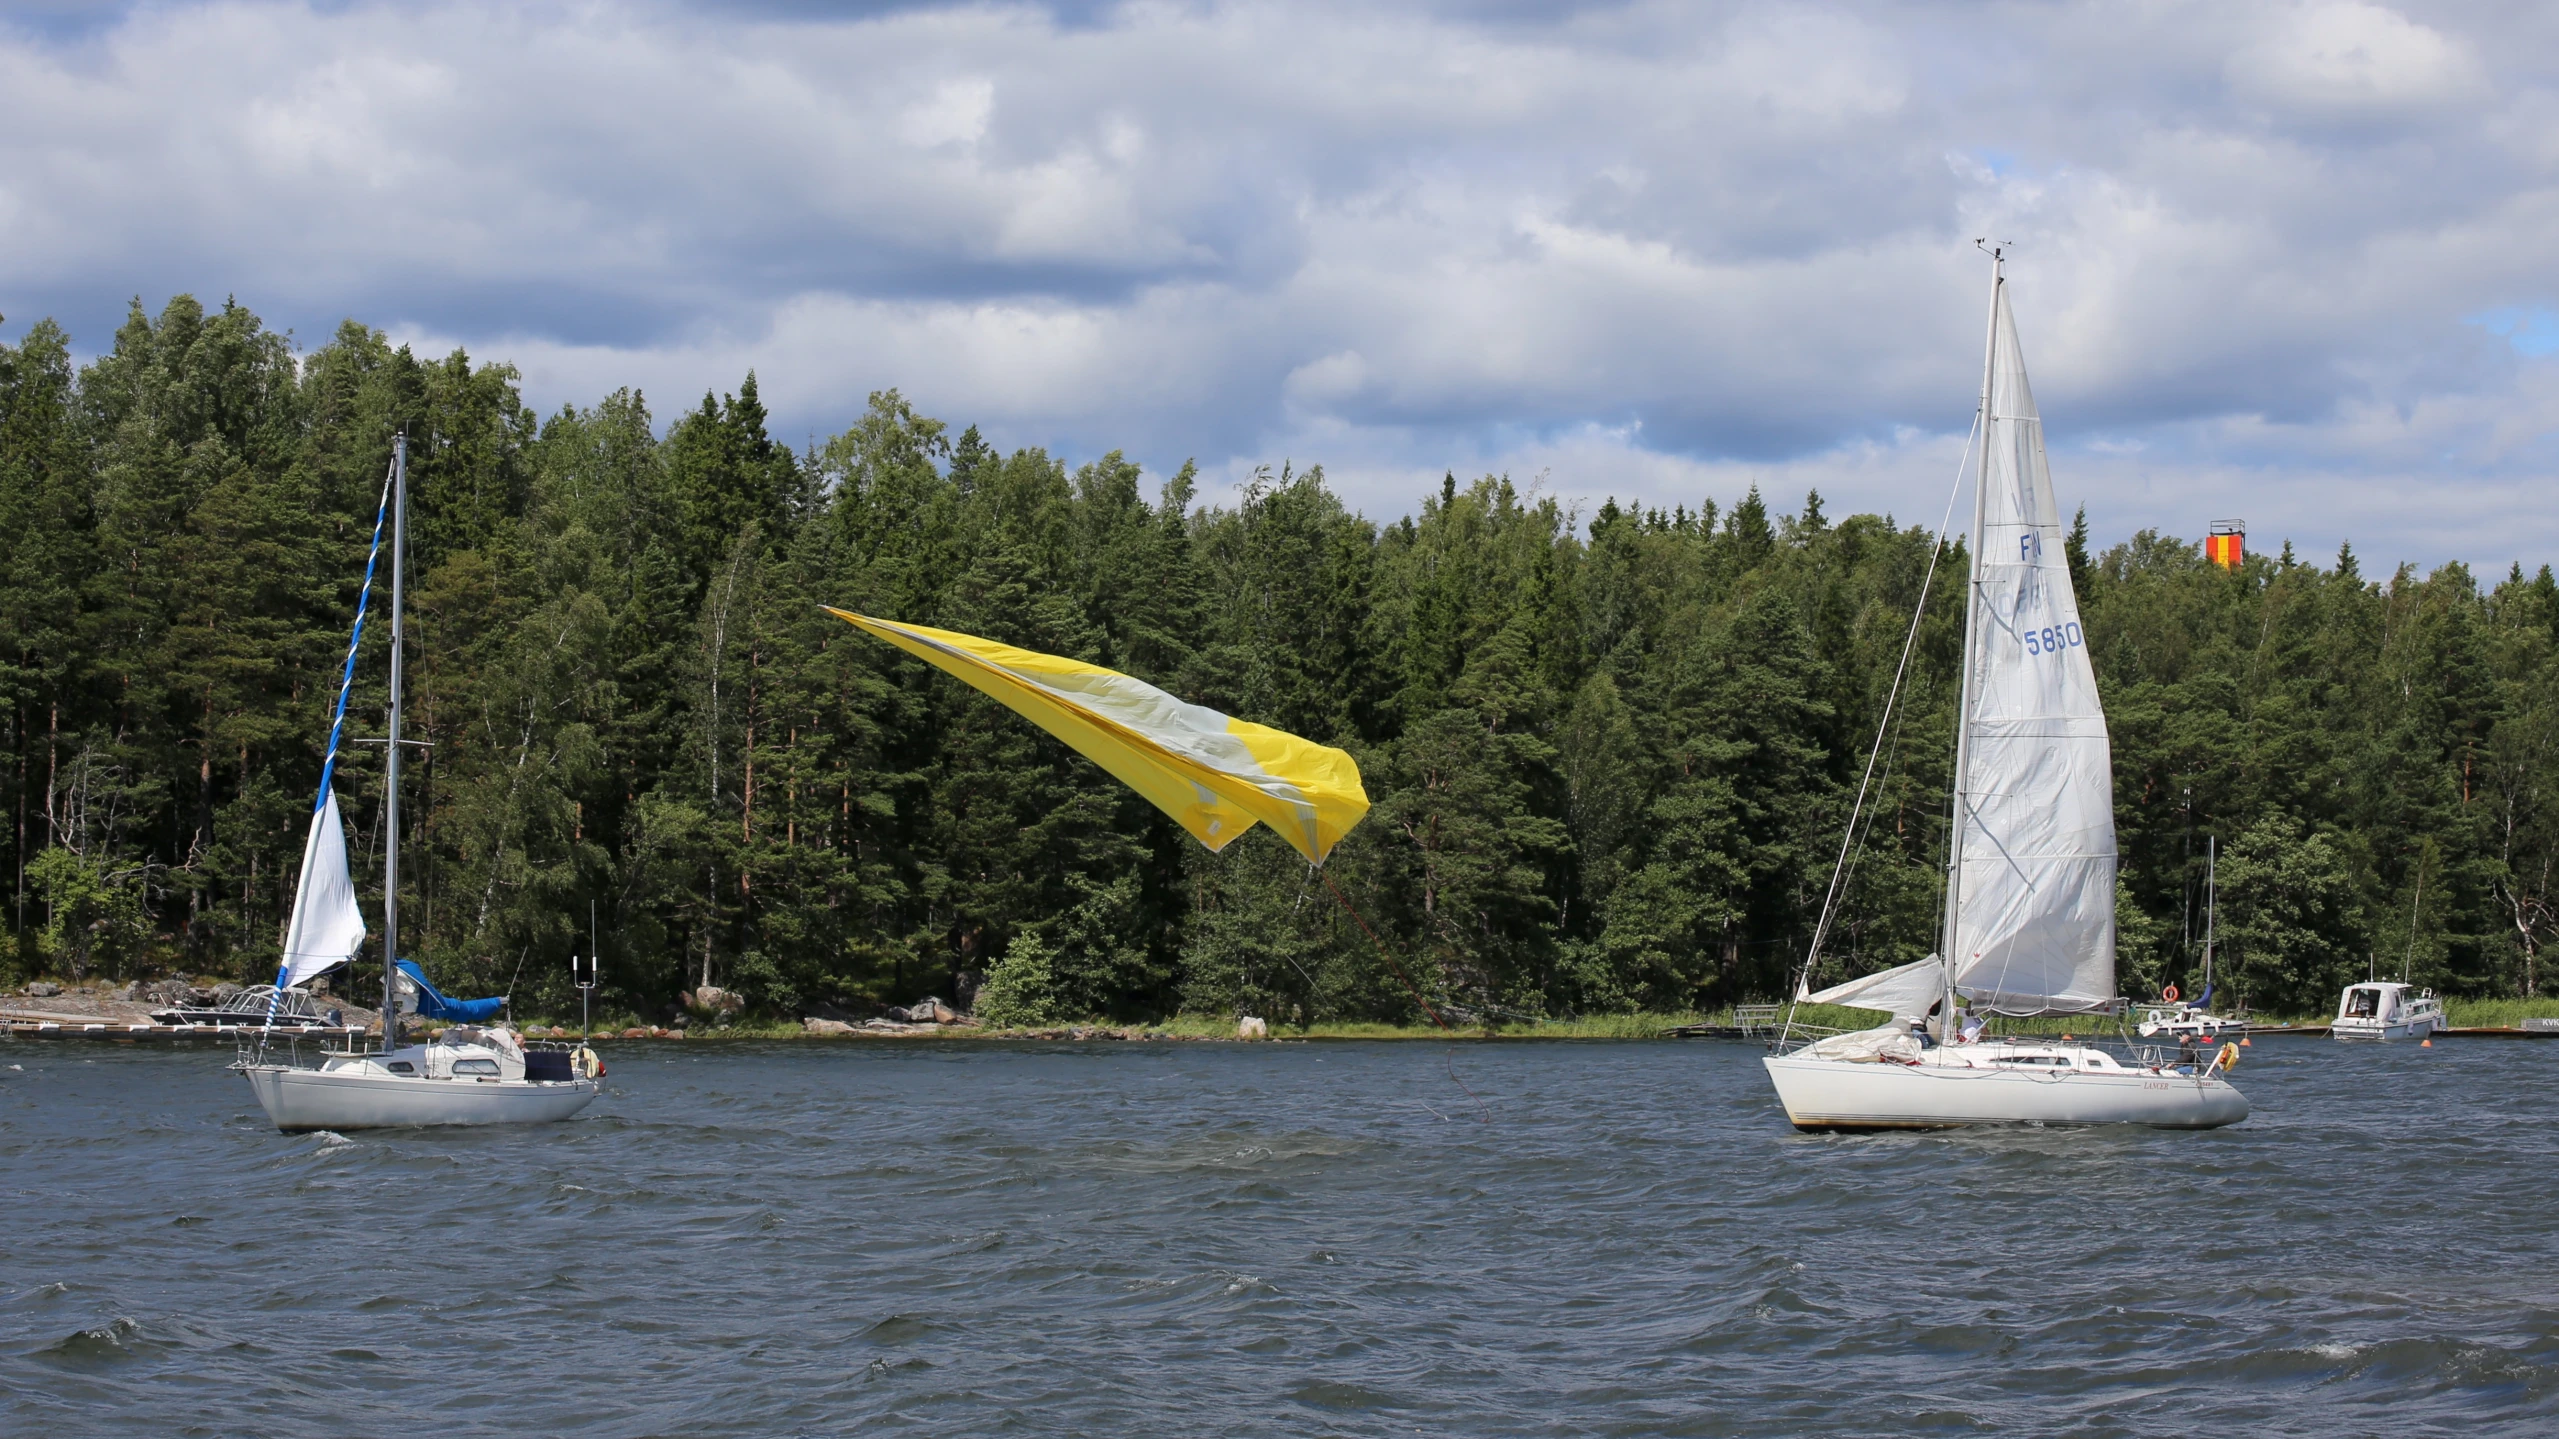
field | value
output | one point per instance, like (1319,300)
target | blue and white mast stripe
(346,676)
(326,926)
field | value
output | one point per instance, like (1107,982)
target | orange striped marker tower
(2227,545)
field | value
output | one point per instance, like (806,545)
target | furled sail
(1215,775)
(2034,928)
(423,999)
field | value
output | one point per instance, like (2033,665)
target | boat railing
(261,1046)
(1752,1018)
(1794,1034)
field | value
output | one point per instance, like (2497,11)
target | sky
(2290,263)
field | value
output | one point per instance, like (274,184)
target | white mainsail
(326,927)
(2033,927)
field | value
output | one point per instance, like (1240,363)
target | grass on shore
(2494,1013)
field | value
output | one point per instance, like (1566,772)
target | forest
(1612,754)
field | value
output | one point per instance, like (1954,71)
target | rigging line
(1382,949)
(1974,811)
(1481,1112)
(346,676)
(1892,757)
(1831,897)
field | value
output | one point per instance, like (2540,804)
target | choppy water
(1275,1239)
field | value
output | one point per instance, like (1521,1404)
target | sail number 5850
(2053,639)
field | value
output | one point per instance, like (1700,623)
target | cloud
(2287,260)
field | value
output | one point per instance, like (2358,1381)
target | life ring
(2169,994)
(2228,1059)
(587,1062)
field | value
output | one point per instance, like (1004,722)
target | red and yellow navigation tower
(2227,545)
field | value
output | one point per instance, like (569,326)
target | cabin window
(402,1066)
(488,1067)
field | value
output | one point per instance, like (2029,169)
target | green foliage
(93,914)
(2285,900)
(1025,988)
(1611,755)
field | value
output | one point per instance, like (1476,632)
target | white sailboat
(2191,1021)
(468,1076)
(2029,925)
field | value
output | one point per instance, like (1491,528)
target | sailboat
(2029,921)
(2192,1020)
(468,1075)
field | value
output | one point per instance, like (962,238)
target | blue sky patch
(2533,330)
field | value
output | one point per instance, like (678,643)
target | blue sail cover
(433,1005)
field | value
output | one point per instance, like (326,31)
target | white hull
(2376,1029)
(300,1100)
(1937,1094)
(2382,1009)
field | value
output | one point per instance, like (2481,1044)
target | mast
(1972,669)
(2212,852)
(391,766)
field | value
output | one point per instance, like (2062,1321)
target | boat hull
(2422,1028)
(303,1100)
(1832,1094)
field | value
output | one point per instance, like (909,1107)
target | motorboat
(468,1075)
(2183,1022)
(2386,1009)
(2029,923)
(261,1006)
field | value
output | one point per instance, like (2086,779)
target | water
(1275,1239)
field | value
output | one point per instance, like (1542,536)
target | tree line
(1611,755)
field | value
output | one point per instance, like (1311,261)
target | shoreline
(89,1013)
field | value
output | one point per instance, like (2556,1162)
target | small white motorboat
(2386,1009)
(2185,1022)
(259,1007)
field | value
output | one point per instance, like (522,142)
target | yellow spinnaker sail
(1215,775)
